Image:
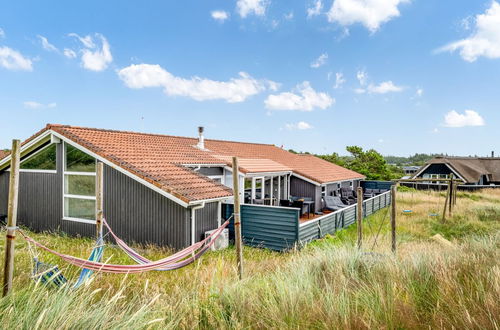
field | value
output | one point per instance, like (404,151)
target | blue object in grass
(433,214)
(48,274)
(407,211)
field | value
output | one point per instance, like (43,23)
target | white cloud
(384,87)
(468,118)
(420,92)
(86,41)
(362,77)
(339,80)
(301,125)
(315,10)
(289,16)
(246,7)
(484,41)
(2,33)
(219,15)
(38,105)
(94,58)
(370,13)
(305,99)
(320,61)
(69,53)
(13,60)
(359,90)
(47,45)
(200,89)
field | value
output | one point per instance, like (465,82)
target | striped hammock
(175,261)
(134,255)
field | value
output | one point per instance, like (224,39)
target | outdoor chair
(285,202)
(347,196)
(333,203)
(300,205)
(369,193)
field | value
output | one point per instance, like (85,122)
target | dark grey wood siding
(299,187)
(139,214)
(136,213)
(206,219)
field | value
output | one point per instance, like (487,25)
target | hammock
(50,274)
(134,255)
(175,261)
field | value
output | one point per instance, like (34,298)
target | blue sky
(398,76)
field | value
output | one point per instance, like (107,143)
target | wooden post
(237,219)
(450,202)
(8,273)
(359,214)
(99,192)
(393,217)
(446,202)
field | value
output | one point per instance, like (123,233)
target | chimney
(492,154)
(201,138)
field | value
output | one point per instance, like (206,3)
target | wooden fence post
(393,217)
(448,191)
(8,273)
(237,219)
(450,202)
(99,197)
(359,214)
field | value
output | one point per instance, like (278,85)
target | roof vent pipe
(201,138)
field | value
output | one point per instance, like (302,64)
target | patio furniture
(333,203)
(300,205)
(347,196)
(258,202)
(285,203)
(310,204)
(368,193)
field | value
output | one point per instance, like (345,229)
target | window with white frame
(79,185)
(43,160)
(338,189)
(323,191)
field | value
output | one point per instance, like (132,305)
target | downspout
(193,220)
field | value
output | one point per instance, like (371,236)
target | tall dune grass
(329,284)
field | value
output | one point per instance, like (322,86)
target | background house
(472,170)
(160,189)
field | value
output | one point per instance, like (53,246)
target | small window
(323,191)
(78,161)
(44,159)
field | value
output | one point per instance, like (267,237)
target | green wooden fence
(278,228)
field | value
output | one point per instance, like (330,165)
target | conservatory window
(79,185)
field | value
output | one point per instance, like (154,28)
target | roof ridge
(49,126)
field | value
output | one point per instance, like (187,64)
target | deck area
(306,218)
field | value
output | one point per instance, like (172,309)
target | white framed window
(351,184)
(43,160)
(323,191)
(79,184)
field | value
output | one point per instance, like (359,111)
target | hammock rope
(134,255)
(175,261)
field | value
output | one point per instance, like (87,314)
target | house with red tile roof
(159,189)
